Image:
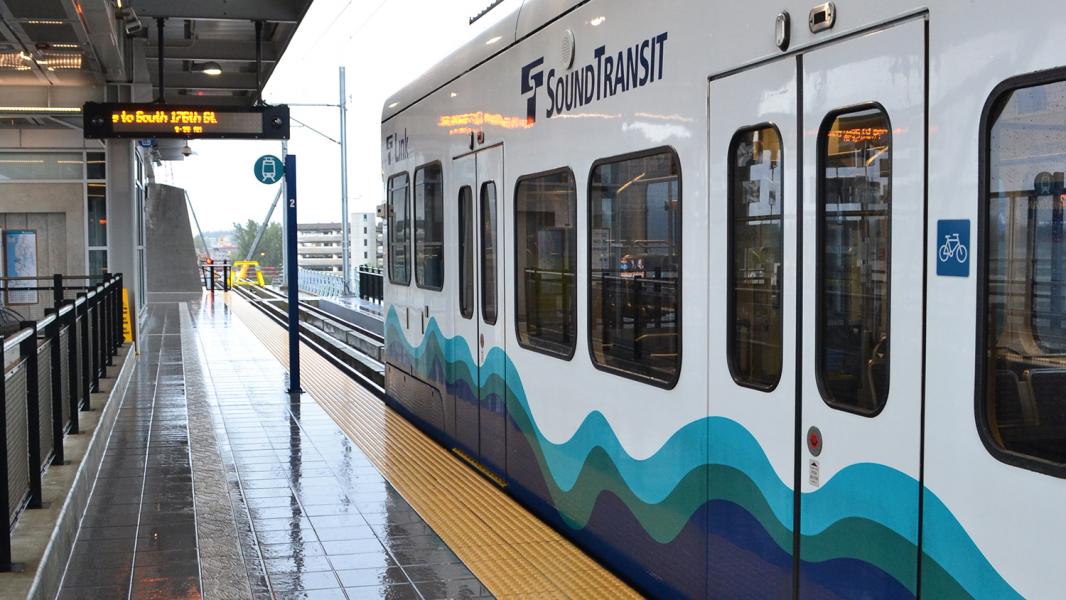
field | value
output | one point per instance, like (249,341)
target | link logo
(397,148)
(608,75)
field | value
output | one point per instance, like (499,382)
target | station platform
(217,484)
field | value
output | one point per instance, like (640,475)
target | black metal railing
(50,367)
(371,284)
(216,275)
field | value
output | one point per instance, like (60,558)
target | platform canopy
(55,55)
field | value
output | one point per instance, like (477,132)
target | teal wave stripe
(863,512)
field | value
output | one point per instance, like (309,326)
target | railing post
(73,376)
(212,277)
(225,276)
(5,492)
(57,290)
(101,352)
(55,359)
(120,306)
(107,331)
(28,352)
(94,340)
(86,356)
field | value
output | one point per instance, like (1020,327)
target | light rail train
(748,299)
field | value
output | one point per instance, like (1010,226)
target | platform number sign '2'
(953,248)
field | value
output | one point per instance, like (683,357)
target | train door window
(855,192)
(466,252)
(1023,396)
(756,241)
(429,227)
(399,228)
(635,266)
(488,252)
(546,262)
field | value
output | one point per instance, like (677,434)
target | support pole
(346,233)
(266,223)
(285,218)
(5,533)
(159,23)
(291,275)
(258,63)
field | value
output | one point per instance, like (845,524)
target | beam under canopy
(275,11)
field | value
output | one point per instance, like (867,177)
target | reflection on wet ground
(281,504)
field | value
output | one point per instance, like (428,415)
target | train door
(863,186)
(753,174)
(480,411)
(491,307)
(464,389)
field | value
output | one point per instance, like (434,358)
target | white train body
(671,256)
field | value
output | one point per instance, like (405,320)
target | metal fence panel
(81,359)
(64,379)
(18,450)
(44,398)
(92,332)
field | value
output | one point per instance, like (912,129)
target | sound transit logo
(608,75)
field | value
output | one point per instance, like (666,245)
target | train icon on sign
(269,169)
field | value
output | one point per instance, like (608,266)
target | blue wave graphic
(867,490)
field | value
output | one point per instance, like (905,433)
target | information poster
(20,260)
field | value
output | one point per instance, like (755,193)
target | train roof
(524,18)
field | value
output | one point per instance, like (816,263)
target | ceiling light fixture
(211,68)
(40,109)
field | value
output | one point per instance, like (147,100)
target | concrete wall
(56,211)
(172,262)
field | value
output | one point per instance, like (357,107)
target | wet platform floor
(217,484)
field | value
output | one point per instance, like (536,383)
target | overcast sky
(383,44)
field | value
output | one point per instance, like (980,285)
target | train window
(756,241)
(399,228)
(635,266)
(488,252)
(854,204)
(466,252)
(429,227)
(546,262)
(1023,400)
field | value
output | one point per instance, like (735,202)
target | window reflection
(854,207)
(635,262)
(399,246)
(429,227)
(1025,376)
(488,253)
(546,262)
(757,239)
(466,252)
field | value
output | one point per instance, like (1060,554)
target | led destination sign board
(110,120)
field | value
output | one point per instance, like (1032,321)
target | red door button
(814,441)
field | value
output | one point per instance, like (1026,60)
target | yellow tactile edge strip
(511,551)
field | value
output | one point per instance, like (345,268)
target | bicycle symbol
(953,247)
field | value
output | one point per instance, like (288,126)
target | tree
(269,252)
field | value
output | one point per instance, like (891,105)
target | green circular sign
(269,169)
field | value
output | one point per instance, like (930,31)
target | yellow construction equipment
(238,275)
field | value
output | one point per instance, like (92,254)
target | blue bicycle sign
(953,248)
(953,251)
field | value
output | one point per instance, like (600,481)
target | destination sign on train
(111,120)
